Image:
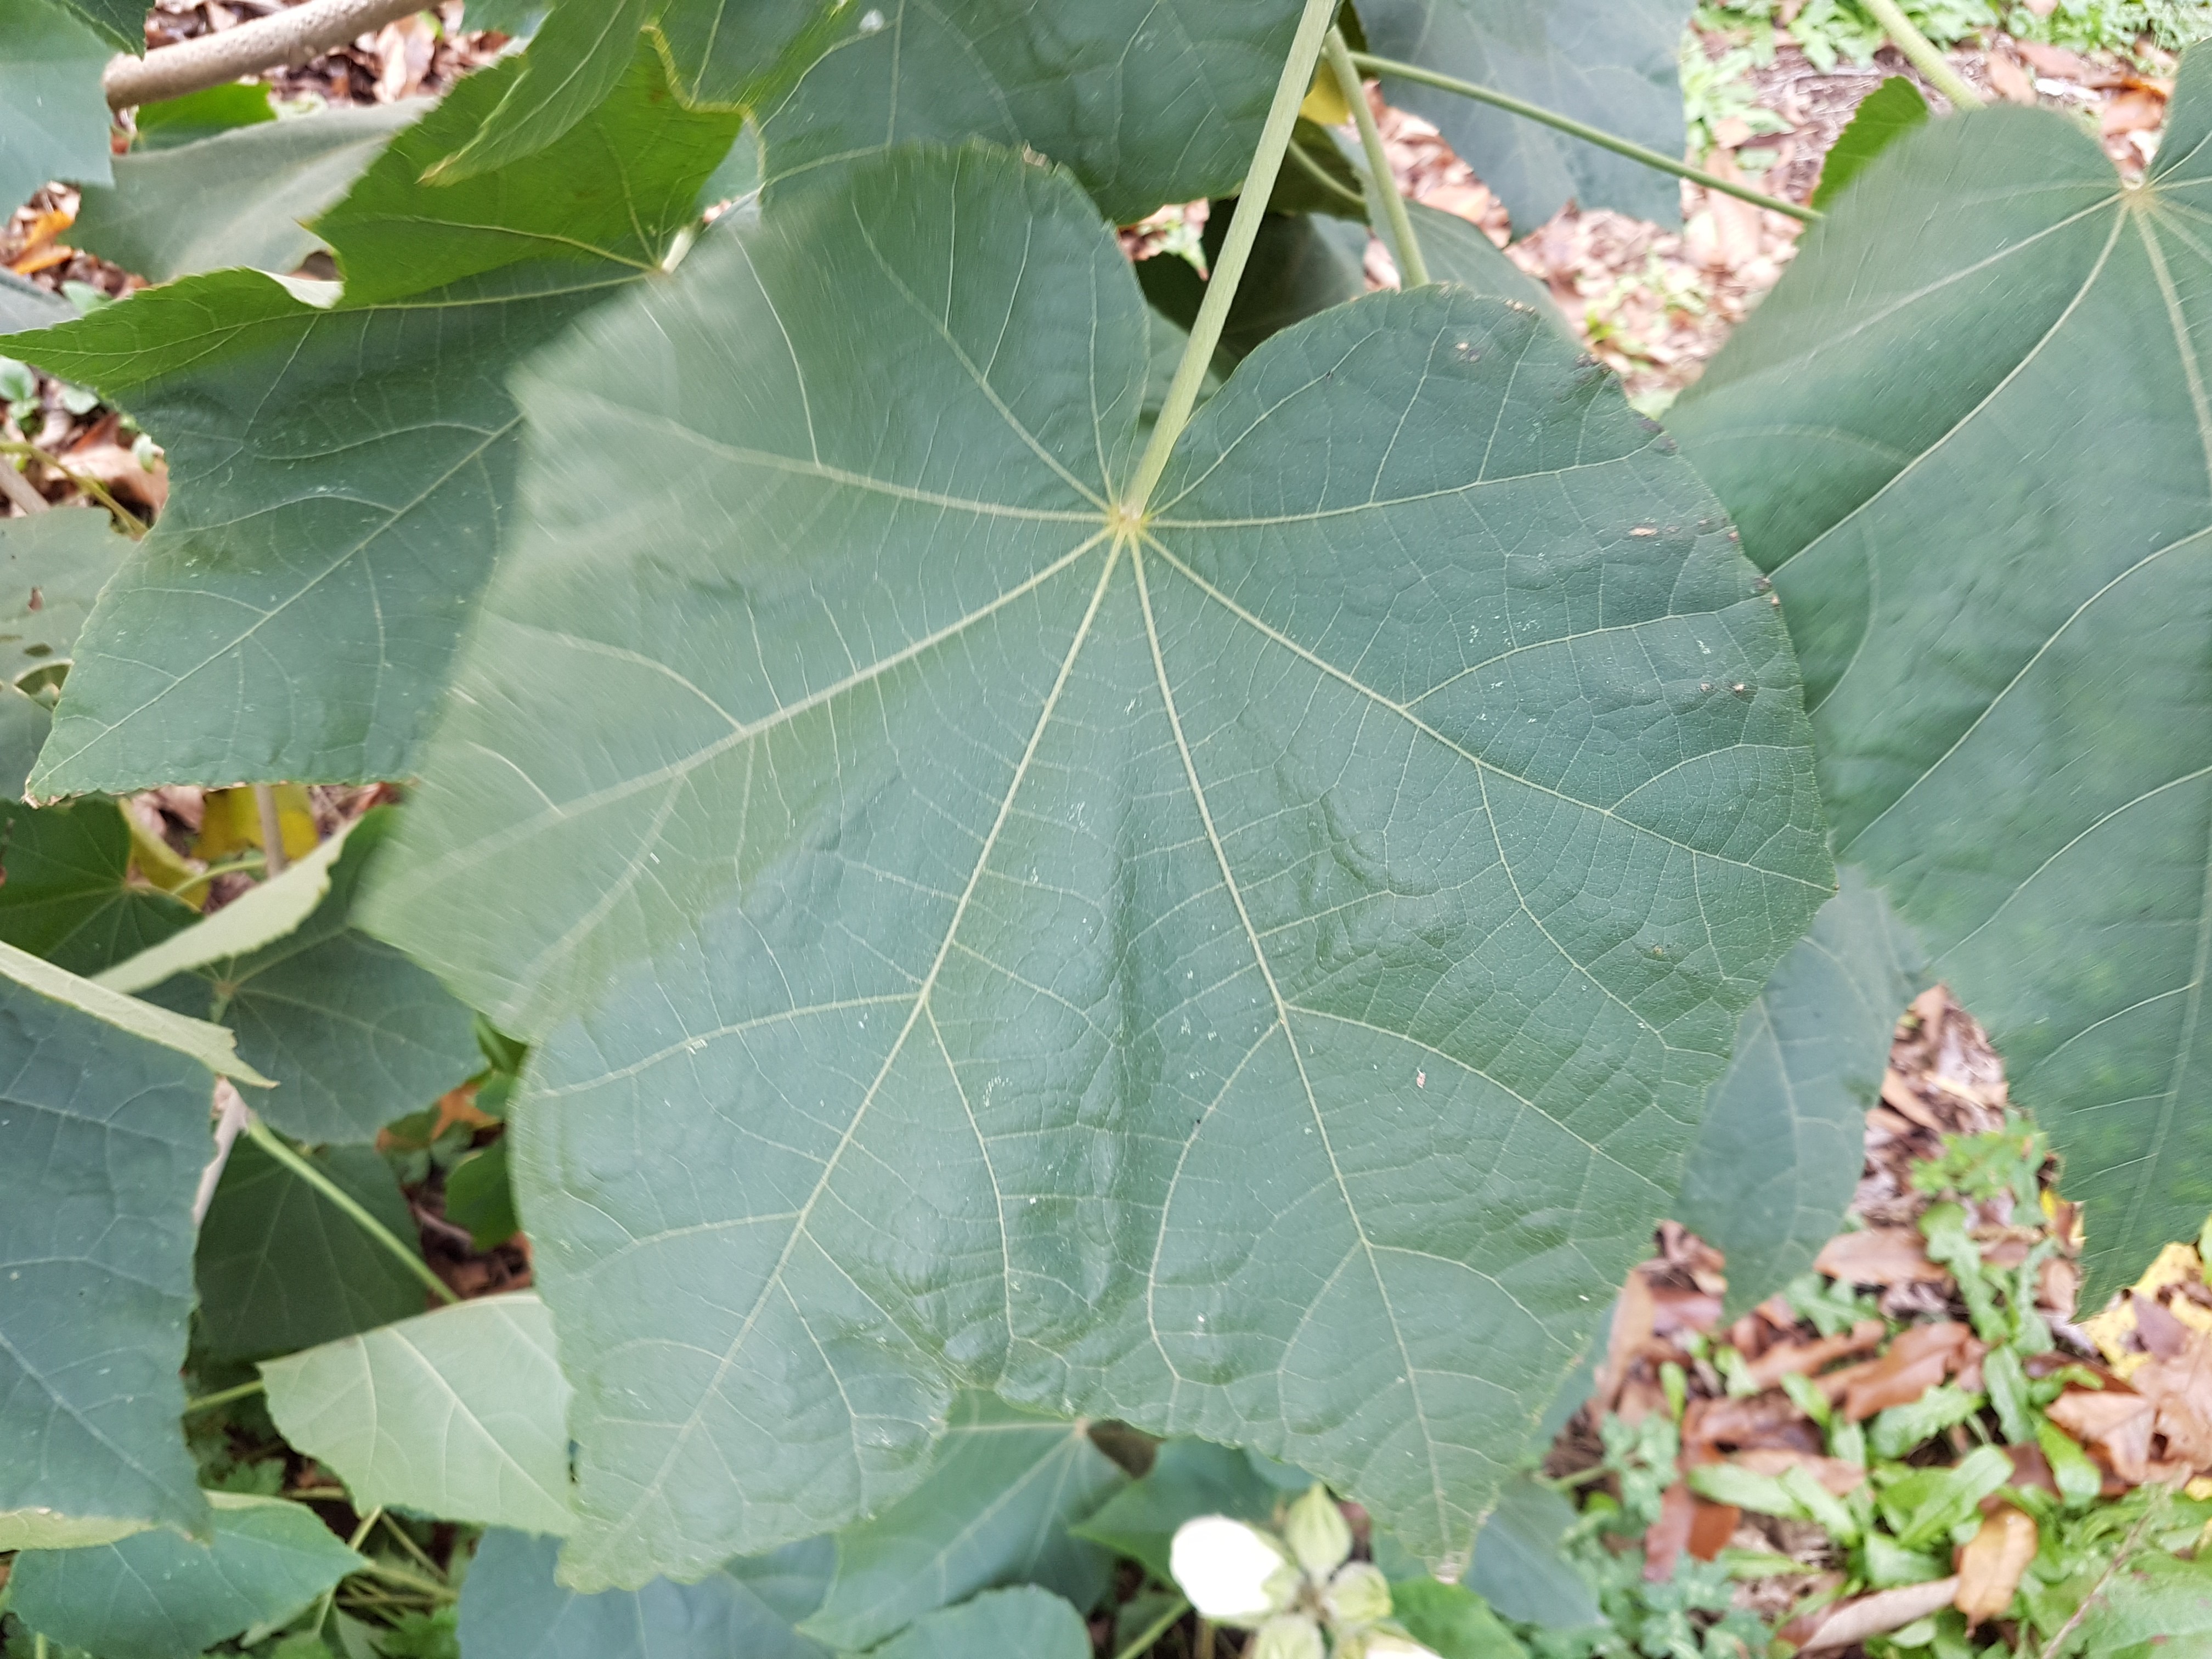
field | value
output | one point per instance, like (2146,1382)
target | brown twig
(288,37)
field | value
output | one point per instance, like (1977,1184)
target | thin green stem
(1587,134)
(1923,54)
(1320,176)
(398,1535)
(1398,225)
(1142,1643)
(272,828)
(128,522)
(1235,250)
(208,1403)
(360,1533)
(406,1580)
(276,1145)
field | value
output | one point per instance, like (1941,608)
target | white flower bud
(1318,1534)
(1359,1596)
(1234,1574)
(1295,1636)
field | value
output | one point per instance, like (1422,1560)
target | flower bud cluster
(1298,1589)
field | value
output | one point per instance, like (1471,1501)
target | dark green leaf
(1003,1486)
(1147,101)
(1033,1623)
(461,1413)
(1519,1569)
(1452,1620)
(1611,64)
(1779,1155)
(511,1608)
(976,1065)
(1968,434)
(1884,116)
(480,1197)
(122,22)
(238,198)
(576,59)
(102,1139)
(280,1268)
(157,1595)
(1458,252)
(24,723)
(56,114)
(26,305)
(1188,1478)
(199,115)
(353,1033)
(340,476)
(65,888)
(52,566)
(2155,1607)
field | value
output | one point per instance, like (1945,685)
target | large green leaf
(103,1135)
(461,1413)
(341,475)
(1028,1621)
(56,115)
(1256,980)
(53,566)
(1003,1486)
(66,893)
(352,1033)
(1779,1155)
(1146,101)
(238,198)
(1969,435)
(1610,63)
(512,1608)
(280,1268)
(157,1595)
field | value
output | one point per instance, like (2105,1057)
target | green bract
(969,883)
(1981,383)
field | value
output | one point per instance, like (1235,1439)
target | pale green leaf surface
(157,1595)
(1458,252)
(2155,1607)
(352,1033)
(1518,1568)
(1259,983)
(56,115)
(1969,435)
(238,198)
(341,474)
(280,1268)
(263,914)
(211,1046)
(24,723)
(460,1413)
(512,1608)
(66,894)
(1612,64)
(574,60)
(102,1139)
(52,566)
(994,1509)
(1451,1621)
(26,305)
(1147,101)
(196,115)
(1778,1156)
(1032,1622)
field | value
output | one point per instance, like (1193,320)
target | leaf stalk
(1587,134)
(208,1403)
(1236,252)
(278,1148)
(1141,1643)
(1923,54)
(1398,225)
